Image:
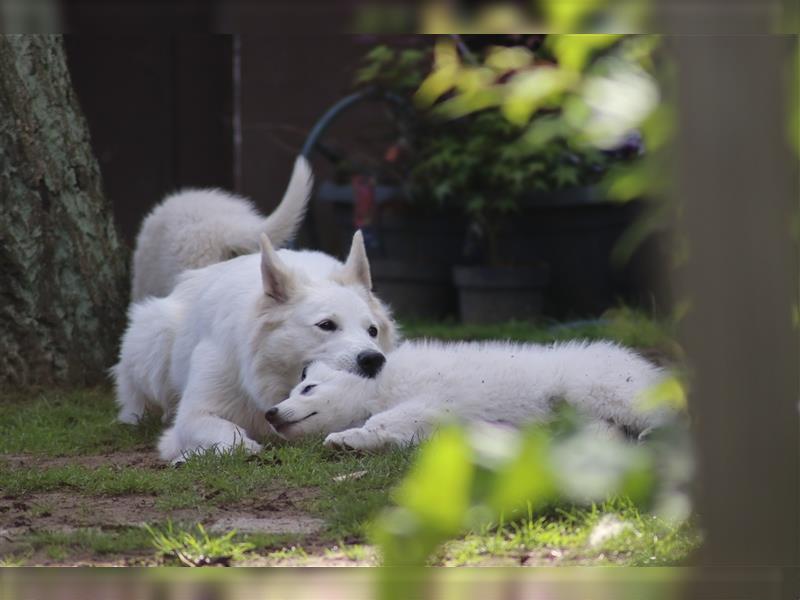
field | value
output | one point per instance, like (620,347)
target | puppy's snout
(272,415)
(370,362)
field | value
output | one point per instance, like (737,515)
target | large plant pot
(414,289)
(576,234)
(498,294)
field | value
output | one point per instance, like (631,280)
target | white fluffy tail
(282,225)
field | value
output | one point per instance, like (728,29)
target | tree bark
(63,279)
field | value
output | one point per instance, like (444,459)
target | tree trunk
(63,279)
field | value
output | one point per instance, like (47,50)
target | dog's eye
(372,331)
(327,325)
(307,390)
(303,374)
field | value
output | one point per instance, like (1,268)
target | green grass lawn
(77,487)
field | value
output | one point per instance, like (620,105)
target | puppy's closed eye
(307,390)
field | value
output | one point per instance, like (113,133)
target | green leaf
(446,67)
(528,91)
(527,478)
(541,132)
(589,466)
(411,56)
(568,15)
(368,73)
(633,181)
(474,79)
(669,393)
(437,490)
(574,51)
(508,59)
(470,102)
(380,54)
(566,175)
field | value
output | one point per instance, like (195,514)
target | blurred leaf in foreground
(443,77)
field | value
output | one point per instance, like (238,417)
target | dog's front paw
(352,439)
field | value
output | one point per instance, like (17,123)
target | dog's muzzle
(370,363)
(281,422)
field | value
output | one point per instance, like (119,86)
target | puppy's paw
(334,441)
(352,439)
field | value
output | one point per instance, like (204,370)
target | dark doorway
(160,114)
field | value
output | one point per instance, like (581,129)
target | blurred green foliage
(552,16)
(567,535)
(470,479)
(400,70)
(486,159)
(578,98)
(492,133)
(477,165)
(596,90)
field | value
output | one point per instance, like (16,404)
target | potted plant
(525,139)
(472,166)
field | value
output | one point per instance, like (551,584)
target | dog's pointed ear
(276,277)
(356,267)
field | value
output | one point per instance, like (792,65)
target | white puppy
(197,228)
(230,341)
(425,383)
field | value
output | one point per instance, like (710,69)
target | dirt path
(278,511)
(146,459)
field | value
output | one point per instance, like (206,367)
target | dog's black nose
(370,362)
(272,414)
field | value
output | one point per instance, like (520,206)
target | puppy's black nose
(370,362)
(272,414)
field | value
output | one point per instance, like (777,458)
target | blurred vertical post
(737,181)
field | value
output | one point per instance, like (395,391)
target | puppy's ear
(356,267)
(277,278)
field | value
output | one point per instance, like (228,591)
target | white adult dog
(425,383)
(231,340)
(197,228)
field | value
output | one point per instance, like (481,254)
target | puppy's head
(324,401)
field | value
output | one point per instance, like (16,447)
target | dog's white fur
(232,338)
(197,228)
(425,383)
